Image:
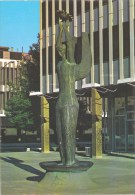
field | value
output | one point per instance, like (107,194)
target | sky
(19,23)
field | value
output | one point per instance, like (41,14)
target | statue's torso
(66,77)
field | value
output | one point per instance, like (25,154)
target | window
(105,45)
(115,42)
(126,39)
(106,73)
(96,47)
(96,73)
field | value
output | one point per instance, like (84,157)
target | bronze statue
(68,72)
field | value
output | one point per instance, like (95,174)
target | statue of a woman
(67,105)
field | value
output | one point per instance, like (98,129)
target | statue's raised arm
(59,44)
(71,41)
(82,69)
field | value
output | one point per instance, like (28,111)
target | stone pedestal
(57,166)
(45,131)
(96,124)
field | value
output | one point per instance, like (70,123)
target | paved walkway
(21,174)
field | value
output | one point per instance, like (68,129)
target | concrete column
(101,42)
(75,18)
(45,130)
(92,38)
(60,4)
(83,27)
(67,6)
(132,37)
(96,124)
(110,15)
(53,46)
(47,45)
(121,39)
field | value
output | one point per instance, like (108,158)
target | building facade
(111,28)
(9,73)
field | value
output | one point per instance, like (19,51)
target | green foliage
(19,111)
(33,67)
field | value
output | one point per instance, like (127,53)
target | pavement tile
(21,174)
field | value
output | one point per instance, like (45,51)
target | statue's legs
(59,135)
(68,116)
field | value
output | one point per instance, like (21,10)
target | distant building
(9,71)
(111,28)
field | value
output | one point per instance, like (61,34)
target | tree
(23,112)
(33,66)
(33,71)
(19,107)
(19,112)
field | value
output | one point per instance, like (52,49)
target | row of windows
(78,48)
(87,7)
(116,72)
(10,55)
(8,75)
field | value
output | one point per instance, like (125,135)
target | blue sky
(19,23)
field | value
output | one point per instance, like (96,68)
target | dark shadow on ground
(19,163)
(120,155)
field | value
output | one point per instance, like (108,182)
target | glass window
(96,19)
(96,47)
(106,73)
(50,13)
(126,39)
(79,26)
(105,45)
(126,67)
(96,73)
(125,10)
(131,103)
(120,106)
(115,42)
(119,133)
(116,71)
(131,136)
(115,12)
(105,16)
(87,25)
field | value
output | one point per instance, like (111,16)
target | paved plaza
(21,174)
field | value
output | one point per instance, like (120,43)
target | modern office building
(111,28)
(9,72)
